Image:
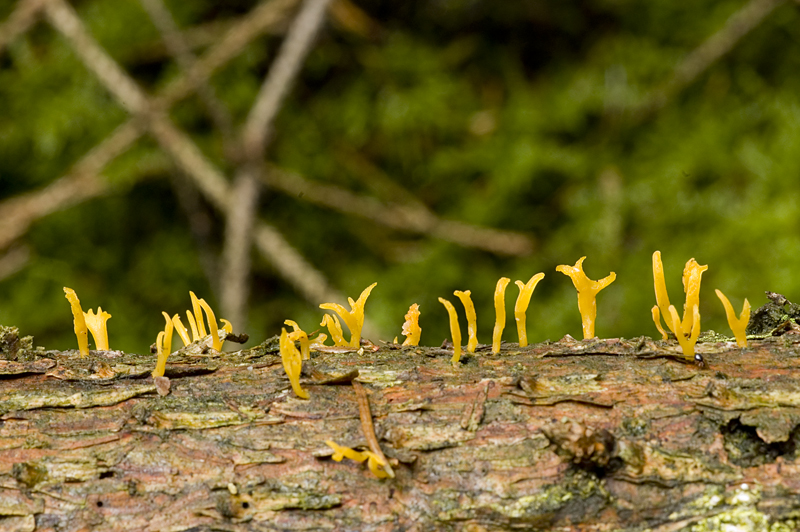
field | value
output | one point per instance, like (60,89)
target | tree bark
(602,434)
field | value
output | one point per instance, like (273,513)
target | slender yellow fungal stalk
(182,332)
(455,329)
(374,462)
(521,306)
(587,293)
(411,328)
(686,339)
(737,325)
(198,316)
(96,323)
(354,318)
(662,299)
(227,326)
(657,320)
(692,275)
(78,321)
(500,313)
(216,343)
(299,334)
(193,324)
(163,347)
(335,328)
(472,319)
(292,363)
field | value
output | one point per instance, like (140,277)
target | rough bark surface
(573,435)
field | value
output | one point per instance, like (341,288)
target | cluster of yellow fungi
(85,322)
(376,464)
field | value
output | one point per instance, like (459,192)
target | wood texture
(573,435)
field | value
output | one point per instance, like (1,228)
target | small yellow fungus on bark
(292,363)
(500,313)
(182,332)
(455,329)
(354,318)
(692,275)
(657,320)
(587,293)
(193,324)
(374,462)
(226,326)
(163,347)
(687,338)
(96,323)
(216,343)
(411,329)
(335,328)
(737,325)
(472,319)
(78,321)
(198,316)
(521,306)
(299,335)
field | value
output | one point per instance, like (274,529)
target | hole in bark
(245,505)
(106,474)
(99,504)
(746,449)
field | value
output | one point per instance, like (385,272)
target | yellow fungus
(455,329)
(198,316)
(374,462)
(193,324)
(354,318)
(587,293)
(163,347)
(521,306)
(692,275)
(182,332)
(335,328)
(737,325)
(78,321)
(96,323)
(292,363)
(226,326)
(472,319)
(299,335)
(500,313)
(216,343)
(657,320)
(411,328)
(687,338)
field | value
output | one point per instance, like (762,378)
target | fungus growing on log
(521,306)
(472,320)
(78,321)
(587,293)
(455,329)
(737,325)
(353,318)
(411,329)
(500,313)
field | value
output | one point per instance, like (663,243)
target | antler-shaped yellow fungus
(78,321)
(299,334)
(738,325)
(292,363)
(411,328)
(587,293)
(197,324)
(521,306)
(472,320)
(96,324)
(163,347)
(692,275)
(354,318)
(181,330)
(455,329)
(335,328)
(374,461)
(500,313)
(687,337)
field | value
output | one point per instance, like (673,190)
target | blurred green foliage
(525,116)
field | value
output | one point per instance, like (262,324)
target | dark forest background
(605,128)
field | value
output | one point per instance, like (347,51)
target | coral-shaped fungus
(292,363)
(163,346)
(737,325)
(354,318)
(335,328)
(374,462)
(197,325)
(500,313)
(455,329)
(521,306)
(411,328)
(472,320)
(587,293)
(96,323)
(78,321)
(299,335)
(688,329)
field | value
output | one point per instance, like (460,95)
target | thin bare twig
(368,427)
(13,261)
(186,154)
(401,217)
(711,50)
(21,19)
(255,136)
